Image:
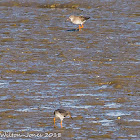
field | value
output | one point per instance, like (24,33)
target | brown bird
(78,20)
(61,114)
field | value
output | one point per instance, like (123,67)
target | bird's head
(69,114)
(70,18)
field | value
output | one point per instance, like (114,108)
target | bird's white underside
(58,115)
(78,22)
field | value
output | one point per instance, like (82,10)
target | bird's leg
(78,27)
(61,124)
(71,117)
(54,122)
(81,26)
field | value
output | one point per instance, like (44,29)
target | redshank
(78,20)
(61,114)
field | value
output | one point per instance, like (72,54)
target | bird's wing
(84,18)
(61,110)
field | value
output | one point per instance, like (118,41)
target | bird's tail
(87,18)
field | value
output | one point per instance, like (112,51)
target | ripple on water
(113,105)
(3,110)
(117,113)
(82,94)
(27,110)
(82,106)
(105,122)
(4,84)
(5,97)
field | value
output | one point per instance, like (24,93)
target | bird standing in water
(61,114)
(78,20)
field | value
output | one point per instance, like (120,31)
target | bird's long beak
(71,117)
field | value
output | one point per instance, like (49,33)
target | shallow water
(45,64)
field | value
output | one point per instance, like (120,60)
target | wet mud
(46,64)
